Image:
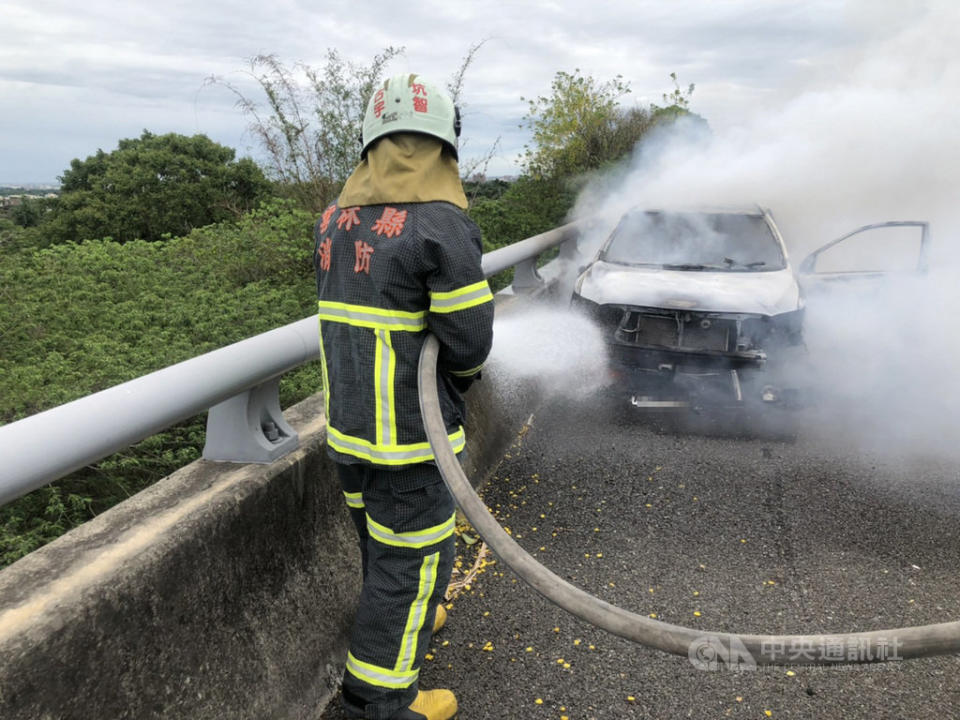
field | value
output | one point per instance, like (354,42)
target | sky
(77,77)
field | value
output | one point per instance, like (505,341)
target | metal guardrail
(237,383)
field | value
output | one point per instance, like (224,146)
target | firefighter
(396,258)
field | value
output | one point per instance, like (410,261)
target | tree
(152,186)
(573,127)
(581,125)
(477,165)
(30,211)
(676,105)
(313,120)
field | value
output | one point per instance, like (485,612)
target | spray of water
(562,351)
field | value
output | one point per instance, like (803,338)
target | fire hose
(871,646)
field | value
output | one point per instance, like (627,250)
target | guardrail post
(525,276)
(526,279)
(249,427)
(568,248)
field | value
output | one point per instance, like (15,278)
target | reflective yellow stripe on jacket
(384,371)
(372,317)
(388,454)
(460,299)
(467,373)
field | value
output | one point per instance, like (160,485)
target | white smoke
(877,140)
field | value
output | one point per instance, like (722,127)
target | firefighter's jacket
(386,276)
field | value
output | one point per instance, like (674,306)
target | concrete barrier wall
(222,591)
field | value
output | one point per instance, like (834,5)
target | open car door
(867,257)
(861,292)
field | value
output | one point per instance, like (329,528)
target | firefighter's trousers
(405,520)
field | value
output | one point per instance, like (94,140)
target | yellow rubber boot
(430,705)
(440,619)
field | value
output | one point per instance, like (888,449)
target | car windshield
(695,241)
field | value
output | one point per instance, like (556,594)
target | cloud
(149,60)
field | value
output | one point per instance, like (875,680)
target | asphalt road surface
(705,523)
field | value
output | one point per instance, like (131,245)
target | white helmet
(409,103)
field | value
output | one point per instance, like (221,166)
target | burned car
(703,307)
(693,304)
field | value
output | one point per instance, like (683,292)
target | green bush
(75,319)
(526,208)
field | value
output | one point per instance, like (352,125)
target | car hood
(760,293)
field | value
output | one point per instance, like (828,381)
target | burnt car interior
(694,241)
